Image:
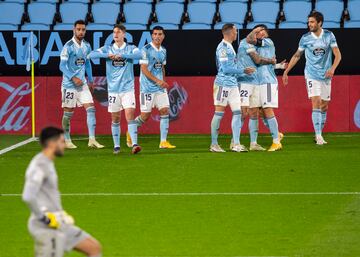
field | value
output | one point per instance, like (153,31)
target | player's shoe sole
(135,149)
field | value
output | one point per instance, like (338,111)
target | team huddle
(246,81)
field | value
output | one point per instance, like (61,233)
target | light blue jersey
(318,53)
(119,73)
(155,59)
(73,62)
(245,60)
(225,60)
(266,73)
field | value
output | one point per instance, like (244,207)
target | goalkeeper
(51,227)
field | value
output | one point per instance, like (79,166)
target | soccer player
(51,227)
(153,86)
(319,44)
(226,91)
(268,87)
(75,89)
(249,85)
(120,58)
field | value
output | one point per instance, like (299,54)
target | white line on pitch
(203,194)
(27,141)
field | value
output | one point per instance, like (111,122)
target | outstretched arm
(294,59)
(259,60)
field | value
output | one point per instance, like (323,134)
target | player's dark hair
(319,17)
(226,27)
(157,28)
(121,27)
(80,22)
(49,133)
(262,26)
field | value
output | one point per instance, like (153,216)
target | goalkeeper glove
(50,220)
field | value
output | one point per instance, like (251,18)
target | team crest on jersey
(318,51)
(158,65)
(119,63)
(223,53)
(79,61)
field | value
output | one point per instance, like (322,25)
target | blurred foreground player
(51,227)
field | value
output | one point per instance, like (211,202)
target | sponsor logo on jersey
(158,65)
(119,63)
(79,61)
(319,51)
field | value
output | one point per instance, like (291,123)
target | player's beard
(59,153)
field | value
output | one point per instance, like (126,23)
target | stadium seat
(292,25)
(242,1)
(220,24)
(64,26)
(172,1)
(96,26)
(77,1)
(354,10)
(137,13)
(352,24)
(7,26)
(201,12)
(132,26)
(195,26)
(11,13)
(14,1)
(169,12)
(233,12)
(45,1)
(331,9)
(142,1)
(105,13)
(251,25)
(38,14)
(167,26)
(208,1)
(265,12)
(331,24)
(297,11)
(35,26)
(70,12)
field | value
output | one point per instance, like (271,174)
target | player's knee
(145,116)
(164,111)
(95,249)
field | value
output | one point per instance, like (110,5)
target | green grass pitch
(294,225)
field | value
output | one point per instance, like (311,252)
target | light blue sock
(236,126)
(164,127)
(266,123)
(66,124)
(253,129)
(115,131)
(215,125)
(323,119)
(139,121)
(274,129)
(132,129)
(316,120)
(91,121)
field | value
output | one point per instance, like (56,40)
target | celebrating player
(268,86)
(153,87)
(75,89)
(226,91)
(249,85)
(319,44)
(120,81)
(51,227)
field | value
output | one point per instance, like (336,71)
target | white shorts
(269,95)
(246,90)
(224,96)
(159,100)
(120,101)
(319,88)
(72,98)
